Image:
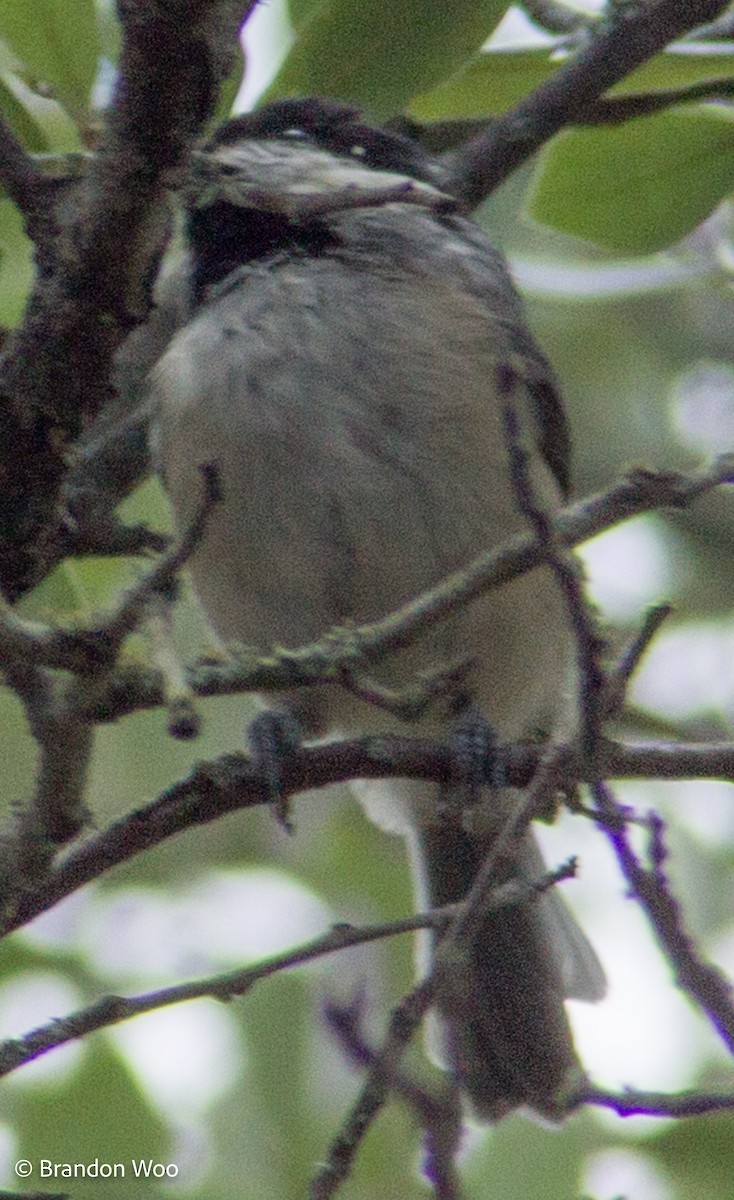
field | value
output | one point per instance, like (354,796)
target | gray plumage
(348,375)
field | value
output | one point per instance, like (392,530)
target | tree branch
(54,376)
(28,188)
(631,1103)
(633,34)
(558,18)
(111,1010)
(132,689)
(442,980)
(619,678)
(405,1020)
(56,812)
(704,983)
(614,110)
(233,782)
(438,1115)
(589,645)
(356,649)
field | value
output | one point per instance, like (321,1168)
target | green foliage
(700,1155)
(498,78)
(15,264)
(57,42)
(674,167)
(641,186)
(76,1126)
(41,123)
(633,189)
(382,54)
(486,86)
(37,121)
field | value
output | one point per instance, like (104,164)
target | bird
(351,345)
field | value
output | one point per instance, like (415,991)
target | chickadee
(353,342)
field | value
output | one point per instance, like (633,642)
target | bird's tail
(504,1029)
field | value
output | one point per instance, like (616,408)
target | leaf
(20,120)
(676,68)
(700,1153)
(492,83)
(497,79)
(16,264)
(383,53)
(40,123)
(109,31)
(230,88)
(640,187)
(101,1114)
(299,11)
(57,41)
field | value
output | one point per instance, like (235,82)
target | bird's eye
(358,151)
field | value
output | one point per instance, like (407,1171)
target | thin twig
(111,1010)
(619,678)
(472,912)
(411,702)
(632,1103)
(701,981)
(404,1022)
(408,1015)
(348,654)
(383,1066)
(55,373)
(566,569)
(704,983)
(614,110)
(352,650)
(55,813)
(127,612)
(632,34)
(232,783)
(438,1115)
(55,707)
(25,643)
